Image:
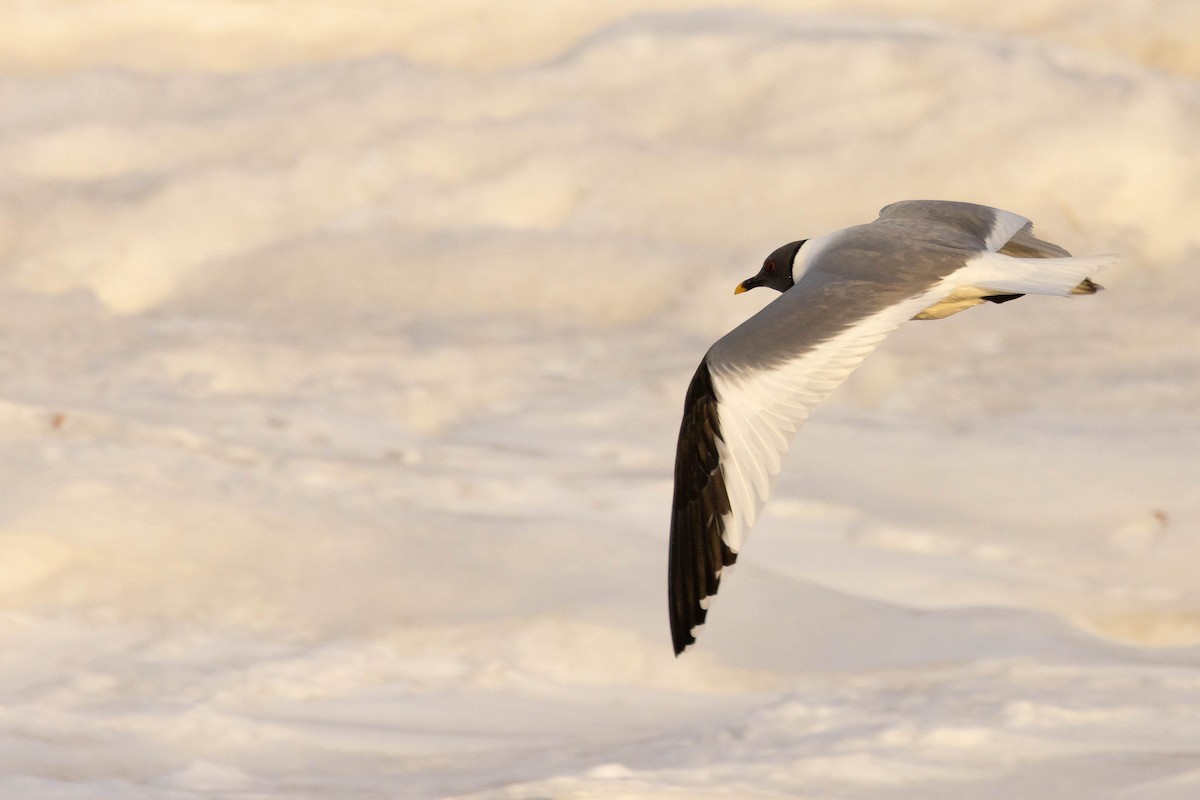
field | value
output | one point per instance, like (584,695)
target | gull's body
(842,294)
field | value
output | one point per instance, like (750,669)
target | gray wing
(989,227)
(753,390)
(999,230)
(970,225)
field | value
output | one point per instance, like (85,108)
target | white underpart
(760,409)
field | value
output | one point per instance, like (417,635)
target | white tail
(1057,276)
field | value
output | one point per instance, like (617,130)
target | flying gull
(841,295)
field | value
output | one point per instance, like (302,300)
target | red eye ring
(769,266)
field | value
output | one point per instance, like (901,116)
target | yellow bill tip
(741,287)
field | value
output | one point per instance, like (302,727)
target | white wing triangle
(760,408)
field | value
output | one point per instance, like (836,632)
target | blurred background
(343,349)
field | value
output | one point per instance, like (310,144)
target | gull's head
(776,272)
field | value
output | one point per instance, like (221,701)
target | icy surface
(341,357)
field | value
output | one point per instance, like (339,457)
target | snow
(343,349)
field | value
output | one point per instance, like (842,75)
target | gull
(840,296)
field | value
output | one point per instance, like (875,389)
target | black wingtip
(697,551)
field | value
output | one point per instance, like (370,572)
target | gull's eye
(769,266)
